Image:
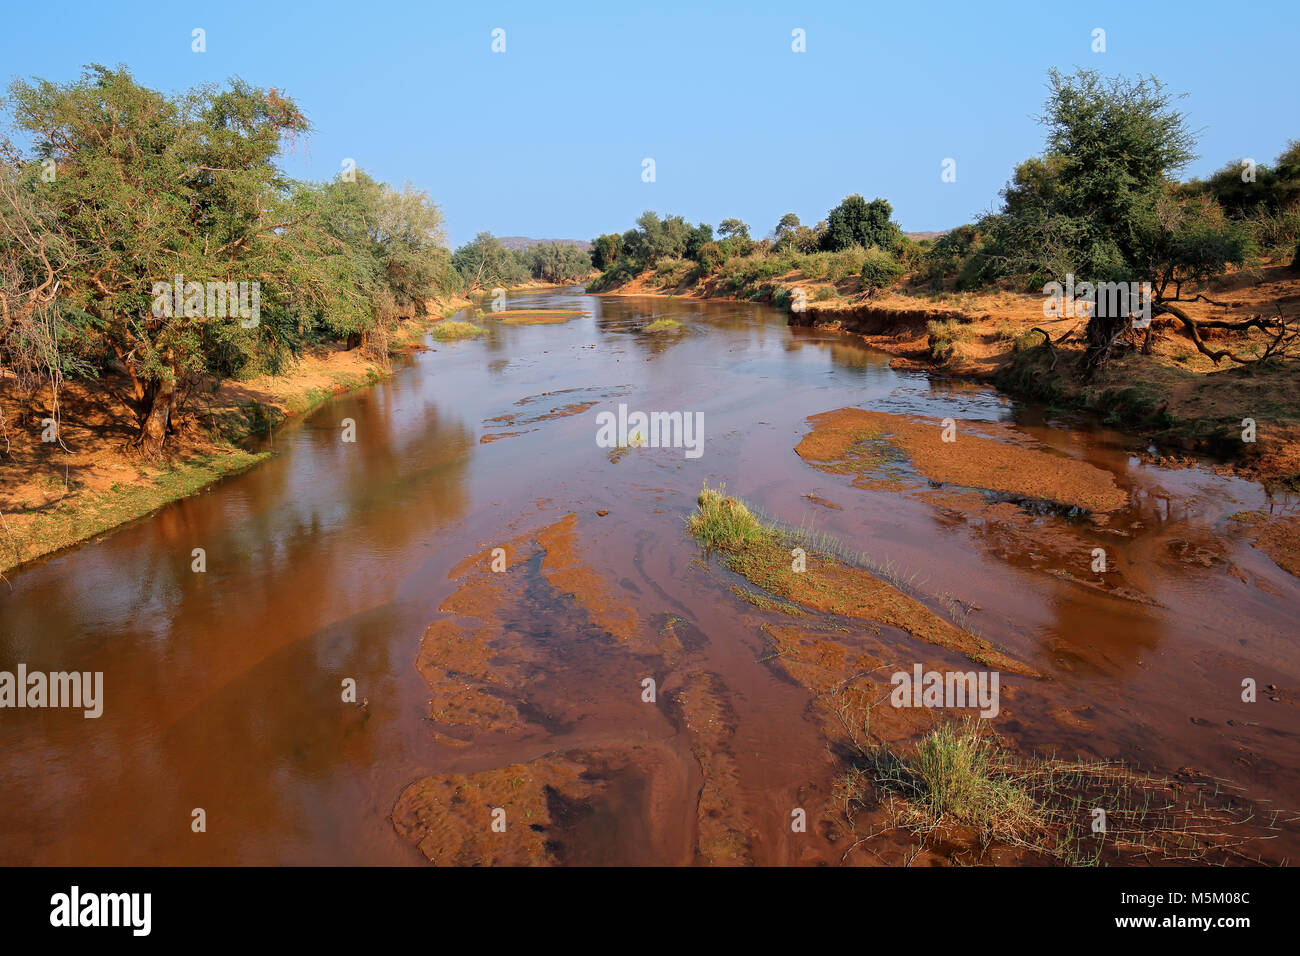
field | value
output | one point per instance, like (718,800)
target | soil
(859,441)
(54,495)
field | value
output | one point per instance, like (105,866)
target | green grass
(450,330)
(663,325)
(725,524)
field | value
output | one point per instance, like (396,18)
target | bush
(624,270)
(910,253)
(846,262)
(1276,233)
(671,272)
(814,265)
(710,257)
(944,338)
(748,270)
(880,270)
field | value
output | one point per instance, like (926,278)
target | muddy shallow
(336,560)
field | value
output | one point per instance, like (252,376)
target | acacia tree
(32,256)
(1104,205)
(382,249)
(485,262)
(146,187)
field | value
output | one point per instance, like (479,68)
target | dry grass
(962,784)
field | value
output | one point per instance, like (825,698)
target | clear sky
(547,139)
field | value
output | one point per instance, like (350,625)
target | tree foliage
(856,222)
(121,190)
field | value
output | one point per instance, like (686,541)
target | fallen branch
(1194,332)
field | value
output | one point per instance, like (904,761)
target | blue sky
(547,139)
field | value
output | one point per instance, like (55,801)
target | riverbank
(1172,397)
(56,495)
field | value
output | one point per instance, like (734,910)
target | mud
(858,440)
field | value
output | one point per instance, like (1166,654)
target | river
(331,559)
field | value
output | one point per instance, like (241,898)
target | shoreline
(113,489)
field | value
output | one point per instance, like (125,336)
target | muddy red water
(332,560)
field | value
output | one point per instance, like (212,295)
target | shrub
(710,257)
(748,270)
(814,265)
(944,338)
(624,270)
(1277,233)
(671,272)
(879,270)
(845,262)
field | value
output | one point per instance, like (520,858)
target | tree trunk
(1109,320)
(154,424)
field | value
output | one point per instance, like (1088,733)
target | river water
(330,560)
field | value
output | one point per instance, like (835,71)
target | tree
(1244,190)
(556,263)
(385,247)
(150,187)
(856,222)
(786,230)
(605,250)
(485,263)
(1110,210)
(697,238)
(730,228)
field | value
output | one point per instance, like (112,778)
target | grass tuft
(450,330)
(725,524)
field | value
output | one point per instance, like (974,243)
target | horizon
(705,114)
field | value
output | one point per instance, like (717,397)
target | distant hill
(918,236)
(523,242)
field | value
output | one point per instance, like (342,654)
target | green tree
(605,250)
(786,231)
(149,187)
(733,228)
(856,222)
(1104,205)
(485,263)
(701,234)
